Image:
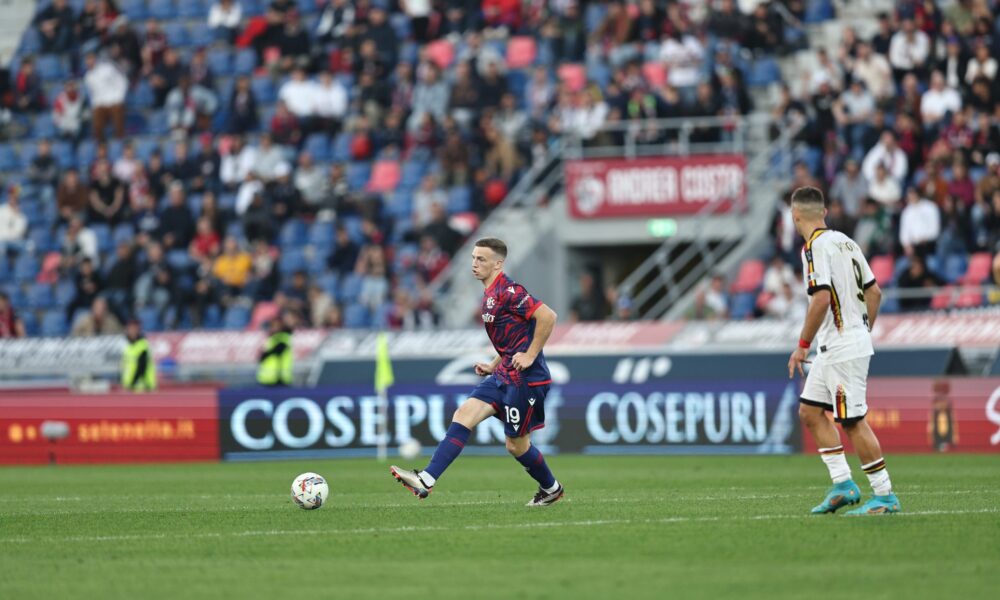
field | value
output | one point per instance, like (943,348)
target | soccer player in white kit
(844,302)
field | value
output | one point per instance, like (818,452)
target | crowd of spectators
(202,167)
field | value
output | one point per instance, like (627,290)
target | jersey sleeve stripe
(528,314)
(808,251)
(869,284)
(815,288)
(838,316)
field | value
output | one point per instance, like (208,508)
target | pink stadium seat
(385,176)
(883,268)
(942,299)
(573,75)
(969,298)
(763,299)
(655,73)
(521,52)
(750,277)
(441,52)
(464,223)
(262,313)
(980,265)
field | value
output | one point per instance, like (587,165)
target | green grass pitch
(630,527)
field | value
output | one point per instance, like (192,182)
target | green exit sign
(662,228)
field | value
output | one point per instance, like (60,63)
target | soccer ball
(309,491)
(409,449)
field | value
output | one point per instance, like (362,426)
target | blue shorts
(520,407)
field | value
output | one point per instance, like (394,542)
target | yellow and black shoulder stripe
(810,266)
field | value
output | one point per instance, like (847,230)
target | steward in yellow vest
(275,367)
(138,366)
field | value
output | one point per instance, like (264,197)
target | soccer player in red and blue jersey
(515,383)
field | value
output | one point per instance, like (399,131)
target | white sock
(878,476)
(555,486)
(427,478)
(836,463)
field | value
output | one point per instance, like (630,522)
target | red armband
(804,344)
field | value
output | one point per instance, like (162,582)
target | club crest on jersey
(510,289)
(491,302)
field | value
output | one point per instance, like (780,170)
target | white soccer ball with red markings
(410,449)
(309,491)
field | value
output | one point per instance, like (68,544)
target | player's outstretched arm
(819,303)
(873,300)
(545,322)
(484,369)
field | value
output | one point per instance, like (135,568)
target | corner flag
(383,366)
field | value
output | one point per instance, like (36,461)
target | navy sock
(449,449)
(534,464)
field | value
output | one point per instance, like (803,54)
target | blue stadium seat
(213,317)
(399,204)
(144,148)
(763,71)
(26,268)
(134,9)
(350,288)
(54,324)
(42,127)
(163,10)
(64,293)
(236,317)
(321,235)
(253,8)
(954,267)
(459,199)
(50,67)
(818,11)
(9,160)
(742,305)
(357,174)
(103,233)
(245,62)
(42,240)
(328,281)
(412,172)
(29,150)
(342,148)
(141,95)
(149,318)
(30,322)
(292,260)
(86,150)
(200,35)
(400,22)
(220,60)
(292,234)
(264,89)
(31,42)
(318,145)
(599,73)
(63,152)
(356,317)
(192,9)
(179,260)
(317,262)
(40,296)
(177,33)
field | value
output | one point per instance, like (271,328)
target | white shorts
(839,387)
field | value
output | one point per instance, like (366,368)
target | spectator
(85,29)
(190,106)
(711,301)
(888,154)
(590,304)
(956,230)
(318,304)
(11,326)
(282,196)
(88,285)
(509,120)
(55,25)
(961,186)
(264,275)
(145,219)
(44,170)
(838,220)
(285,127)
(121,280)
(107,197)
(123,46)
(344,256)
(885,190)
(919,225)
(430,96)
(981,65)
(224,19)
(157,286)
(423,200)
(917,284)
(177,226)
(853,112)
(336,21)
(683,55)
(501,159)
(850,188)
(72,197)
(200,72)
(443,233)
(154,47)
(29,95)
(107,87)
(311,183)
(331,103)
(333,318)
(938,101)
(539,93)
(465,98)
(267,159)
(382,34)
(372,270)
(876,73)
(299,95)
(294,42)
(726,22)
(127,168)
(98,321)
(69,111)
(13,224)
(237,164)
(233,267)
(787,305)
(166,76)
(247,194)
(908,50)
(777,275)
(295,297)
(242,107)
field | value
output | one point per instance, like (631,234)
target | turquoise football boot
(878,505)
(841,494)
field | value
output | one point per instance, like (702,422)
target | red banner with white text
(114,427)
(655,187)
(950,414)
